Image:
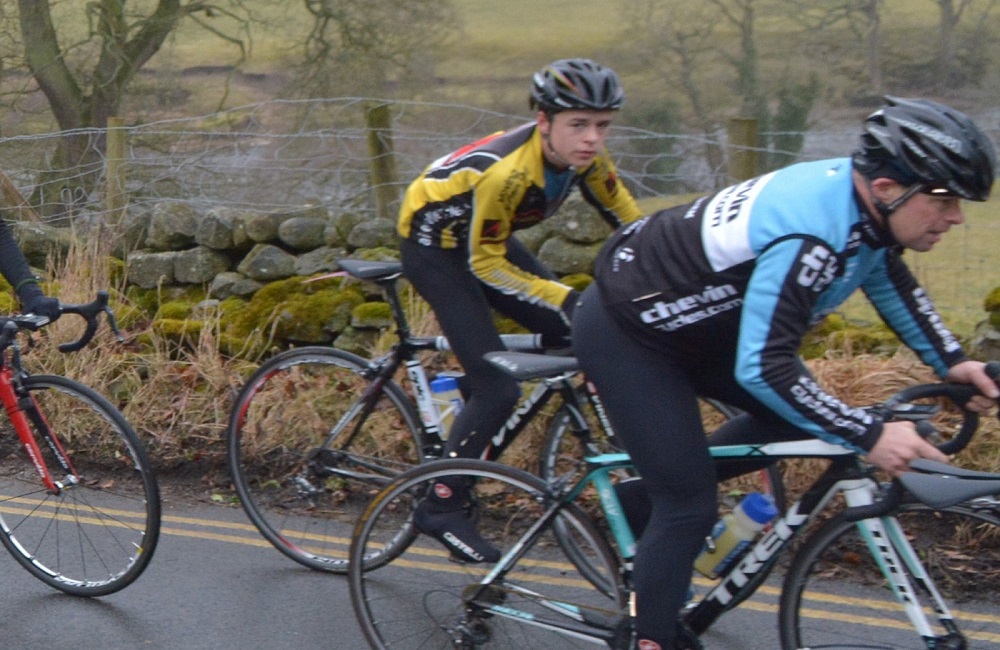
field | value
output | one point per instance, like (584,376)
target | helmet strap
(885,210)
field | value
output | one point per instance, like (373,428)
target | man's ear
(886,190)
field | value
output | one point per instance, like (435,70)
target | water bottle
(732,535)
(448,400)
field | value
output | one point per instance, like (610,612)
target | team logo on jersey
(817,268)
(729,203)
(711,301)
(926,307)
(491,230)
(611,184)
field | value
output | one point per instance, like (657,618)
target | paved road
(215,583)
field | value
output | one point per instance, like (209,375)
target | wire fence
(282,154)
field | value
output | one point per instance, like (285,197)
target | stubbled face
(923,219)
(573,138)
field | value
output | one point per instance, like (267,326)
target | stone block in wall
(303,233)
(262,228)
(533,237)
(150,269)
(985,344)
(231,283)
(38,241)
(199,265)
(266,262)
(215,230)
(135,230)
(172,227)
(332,237)
(374,233)
(342,225)
(319,260)
(580,223)
(564,257)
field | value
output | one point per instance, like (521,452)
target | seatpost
(398,314)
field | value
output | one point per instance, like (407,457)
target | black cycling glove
(34,301)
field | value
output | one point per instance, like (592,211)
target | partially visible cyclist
(713,299)
(456,223)
(15,269)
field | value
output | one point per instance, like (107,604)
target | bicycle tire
(98,534)
(821,603)
(416,599)
(300,481)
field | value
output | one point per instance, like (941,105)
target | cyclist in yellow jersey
(456,223)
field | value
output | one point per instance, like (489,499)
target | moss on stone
(372,315)
(174,310)
(178,330)
(128,316)
(8,303)
(117,271)
(293,311)
(378,254)
(835,332)
(992,301)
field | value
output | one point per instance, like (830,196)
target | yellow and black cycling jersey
(475,197)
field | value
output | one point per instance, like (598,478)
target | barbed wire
(279,155)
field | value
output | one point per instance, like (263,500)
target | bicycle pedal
(305,488)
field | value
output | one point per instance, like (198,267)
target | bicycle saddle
(367,270)
(940,485)
(524,365)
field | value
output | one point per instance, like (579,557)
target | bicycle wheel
(835,596)
(561,452)
(420,599)
(98,534)
(309,437)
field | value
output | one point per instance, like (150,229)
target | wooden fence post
(742,136)
(115,193)
(12,198)
(383,160)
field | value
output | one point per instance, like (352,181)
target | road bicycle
(879,564)
(79,503)
(312,421)
(313,425)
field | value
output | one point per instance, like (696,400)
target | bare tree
(741,14)
(950,13)
(83,56)
(862,18)
(372,46)
(678,44)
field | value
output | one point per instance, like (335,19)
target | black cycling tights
(652,399)
(462,305)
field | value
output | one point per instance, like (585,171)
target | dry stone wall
(236,253)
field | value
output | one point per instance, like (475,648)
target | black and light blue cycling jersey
(754,266)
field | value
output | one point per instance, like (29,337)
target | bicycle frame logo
(535,399)
(757,558)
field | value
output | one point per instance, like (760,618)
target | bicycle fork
(21,406)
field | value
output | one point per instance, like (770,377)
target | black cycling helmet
(928,145)
(576,84)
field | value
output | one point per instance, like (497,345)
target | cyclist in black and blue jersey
(458,251)
(713,299)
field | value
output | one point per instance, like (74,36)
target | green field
(500,44)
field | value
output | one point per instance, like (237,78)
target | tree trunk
(76,164)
